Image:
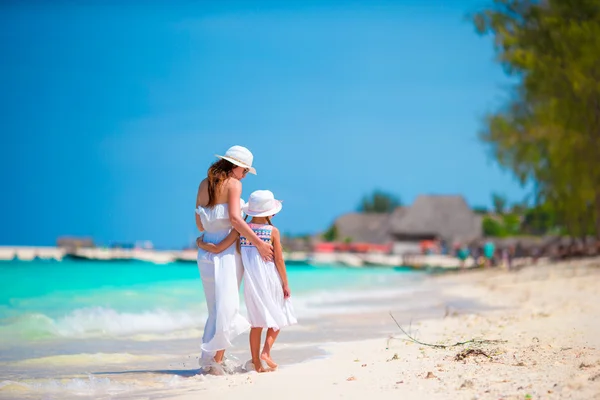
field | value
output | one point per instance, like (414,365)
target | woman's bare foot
(267,358)
(258,366)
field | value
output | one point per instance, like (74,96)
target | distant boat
(81,257)
(297,263)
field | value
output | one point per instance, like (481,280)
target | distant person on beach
(218,212)
(489,250)
(462,253)
(475,254)
(266,289)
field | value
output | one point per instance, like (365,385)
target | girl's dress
(263,289)
(221,277)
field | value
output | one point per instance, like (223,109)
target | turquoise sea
(43,300)
(81,329)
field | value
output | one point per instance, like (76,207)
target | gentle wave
(89,322)
(92,386)
(98,322)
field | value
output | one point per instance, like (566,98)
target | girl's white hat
(262,203)
(240,156)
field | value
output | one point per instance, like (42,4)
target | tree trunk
(598,213)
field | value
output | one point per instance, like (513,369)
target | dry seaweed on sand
(466,353)
(444,346)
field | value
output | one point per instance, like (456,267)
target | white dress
(263,290)
(221,276)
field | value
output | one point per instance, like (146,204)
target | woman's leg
(222,291)
(266,352)
(207,275)
(255,335)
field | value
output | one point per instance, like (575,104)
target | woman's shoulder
(202,196)
(231,183)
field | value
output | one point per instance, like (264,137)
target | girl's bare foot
(266,358)
(258,366)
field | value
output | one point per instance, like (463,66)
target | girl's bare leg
(219,356)
(269,341)
(255,335)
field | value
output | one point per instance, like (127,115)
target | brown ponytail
(218,172)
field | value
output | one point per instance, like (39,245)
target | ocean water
(77,299)
(63,322)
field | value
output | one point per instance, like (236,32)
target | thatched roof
(447,217)
(364,227)
(72,243)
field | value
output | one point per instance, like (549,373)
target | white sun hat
(262,203)
(240,156)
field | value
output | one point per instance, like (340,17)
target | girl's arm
(219,247)
(233,199)
(280,263)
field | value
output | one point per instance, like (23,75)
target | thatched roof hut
(444,217)
(367,227)
(364,227)
(70,244)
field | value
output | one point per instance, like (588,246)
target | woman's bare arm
(280,263)
(198,220)
(233,199)
(218,247)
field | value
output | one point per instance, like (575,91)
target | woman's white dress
(263,291)
(221,276)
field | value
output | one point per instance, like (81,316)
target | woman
(218,211)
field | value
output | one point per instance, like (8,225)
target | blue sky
(111,114)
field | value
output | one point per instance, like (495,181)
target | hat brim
(268,213)
(238,163)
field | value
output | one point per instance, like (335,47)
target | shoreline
(433,262)
(544,312)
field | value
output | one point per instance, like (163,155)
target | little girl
(266,289)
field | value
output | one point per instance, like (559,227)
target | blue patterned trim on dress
(263,232)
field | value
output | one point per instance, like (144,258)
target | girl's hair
(218,172)
(268,219)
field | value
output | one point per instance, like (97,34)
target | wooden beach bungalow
(360,233)
(435,218)
(406,229)
(72,244)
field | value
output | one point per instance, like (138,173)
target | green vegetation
(499,203)
(519,219)
(379,202)
(331,234)
(493,227)
(548,134)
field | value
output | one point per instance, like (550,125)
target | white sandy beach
(547,316)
